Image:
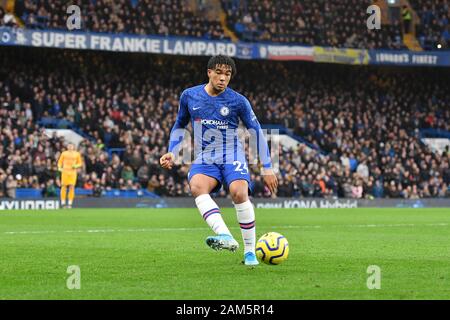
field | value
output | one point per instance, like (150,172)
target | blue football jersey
(215,121)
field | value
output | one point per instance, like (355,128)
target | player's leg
(246,218)
(63,195)
(237,178)
(71,196)
(201,186)
(71,181)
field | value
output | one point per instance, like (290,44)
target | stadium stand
(125,16)
(309,22)
(366,123)
(331,23)
(322,23)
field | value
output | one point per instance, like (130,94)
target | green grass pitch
(161,254)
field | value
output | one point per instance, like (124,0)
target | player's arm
(78,162)
(176,135)
(61,162)
(251,122)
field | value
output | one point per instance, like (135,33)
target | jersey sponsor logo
(208,122)
(195,108)
(220,124)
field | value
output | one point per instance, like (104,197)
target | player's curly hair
(222,60)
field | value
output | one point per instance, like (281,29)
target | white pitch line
(195,229)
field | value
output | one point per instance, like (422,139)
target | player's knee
(197,190)
(239,195)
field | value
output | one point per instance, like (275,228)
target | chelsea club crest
(224,111)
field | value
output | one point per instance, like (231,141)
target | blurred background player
(217,108)
(68,164)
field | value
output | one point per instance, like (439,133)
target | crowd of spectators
(141,17)
(434,27)
(363,123)
(340,23)
(365,120)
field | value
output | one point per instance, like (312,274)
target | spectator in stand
(127,174)
(10,187)
(357,189)
(7,19)
(407,18)
(50,190)
(2,16)
(378,189)
(2,183)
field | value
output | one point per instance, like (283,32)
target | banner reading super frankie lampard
(124,43)
(149,44)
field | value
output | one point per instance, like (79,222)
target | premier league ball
(272,248)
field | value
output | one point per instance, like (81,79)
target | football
(272,248)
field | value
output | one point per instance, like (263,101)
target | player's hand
(270,180)
(167,160)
